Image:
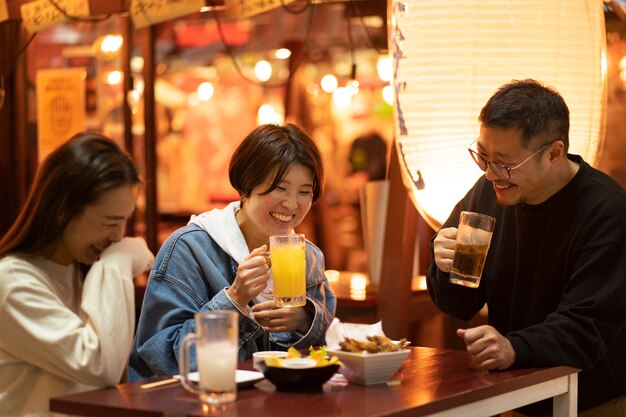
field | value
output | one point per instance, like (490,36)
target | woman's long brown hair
(72,177)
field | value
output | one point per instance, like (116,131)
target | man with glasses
(554,280)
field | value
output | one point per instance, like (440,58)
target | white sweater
(58,335)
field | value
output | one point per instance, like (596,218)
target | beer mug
(217,340)
(287,253)
(472,243)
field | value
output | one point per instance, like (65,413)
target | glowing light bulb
(342,98)
(388,94)
(114,77)
(329,83)
(282,53)
(205,91)
(268,114)
(384,69)
(111,44)
(136,64)
(263,70)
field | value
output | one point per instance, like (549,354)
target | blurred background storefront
(181,94)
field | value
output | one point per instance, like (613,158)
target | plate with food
(371,361)
(369,357)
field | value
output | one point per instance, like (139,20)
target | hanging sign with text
(41,14)
(149,12)
(245,8)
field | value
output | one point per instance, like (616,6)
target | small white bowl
(299,363)
(369,368)
(259,357)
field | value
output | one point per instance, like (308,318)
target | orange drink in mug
(288,269)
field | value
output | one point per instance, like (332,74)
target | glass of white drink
(216,339)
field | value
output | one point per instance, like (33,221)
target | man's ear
(557,151)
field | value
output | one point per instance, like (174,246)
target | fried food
(292,352)
(318,355)
(374,344)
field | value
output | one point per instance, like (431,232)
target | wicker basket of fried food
(373,344)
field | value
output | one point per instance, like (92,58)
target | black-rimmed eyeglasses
(502,171)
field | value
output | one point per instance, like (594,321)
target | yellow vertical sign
(4,11)
(245,8)
(60,106)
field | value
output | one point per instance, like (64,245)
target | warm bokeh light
(136,64)
(329,83)
(268,114)
(388,94)
(418,283)
(111,44)
(358,285)
(342,98)
(282,53)
(139,84)
(332,275)
(353,87)
(114,77)
(263,70)
(384,69)
(133,97)
(205,91)
(169,95)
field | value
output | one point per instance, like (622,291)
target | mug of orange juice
(288,269)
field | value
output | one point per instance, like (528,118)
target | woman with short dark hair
(66,289)
(218,261)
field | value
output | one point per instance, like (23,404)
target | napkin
(337,331)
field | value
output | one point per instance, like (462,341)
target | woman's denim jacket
(190,274)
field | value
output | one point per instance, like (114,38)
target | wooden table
(432,382)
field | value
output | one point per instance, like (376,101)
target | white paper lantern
(450,57)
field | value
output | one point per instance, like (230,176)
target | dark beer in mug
(472,243)
(468,263)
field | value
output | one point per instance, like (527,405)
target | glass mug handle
(183,364)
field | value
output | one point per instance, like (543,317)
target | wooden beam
(18,159)
(150,138)
(398,252)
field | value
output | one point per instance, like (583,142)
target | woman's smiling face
(96,227)
(280,210)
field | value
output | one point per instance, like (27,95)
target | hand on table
(252,276)
(444,248)
(487,348)
(283,319)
